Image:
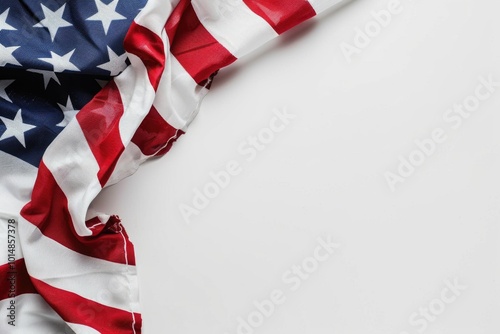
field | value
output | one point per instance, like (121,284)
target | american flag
(88,91)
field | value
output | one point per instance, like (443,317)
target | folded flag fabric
(88,91)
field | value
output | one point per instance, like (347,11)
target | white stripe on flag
(233,25)
(86,276)
(127,164)
(154,15)
(33,316)
(75,169)
(322,5)
(137,96)
(178,95)
(16,179)
(82,329)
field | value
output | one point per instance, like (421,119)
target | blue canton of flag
(55,56)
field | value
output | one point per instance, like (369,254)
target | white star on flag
(68,111)
(16,128)
(47,75)
(3,85)
(3,21)
(6,56)
(53,21)
(61,63)
(106,14)
(116,63)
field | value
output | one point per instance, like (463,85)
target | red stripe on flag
(282,15)
(154,133)
(173,21)
(50,214)
(149,47)
(15,273)
(194,47)
(78,310)
(167,148)
(100,121)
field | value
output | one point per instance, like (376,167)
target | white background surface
(324,175)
